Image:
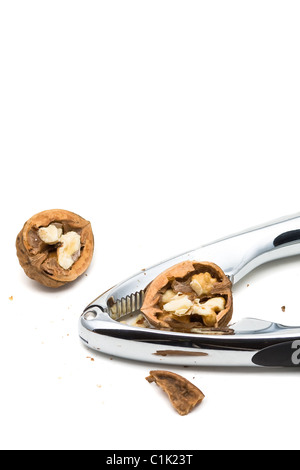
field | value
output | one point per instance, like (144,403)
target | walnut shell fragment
(183,395)
(55,247)
(189,296)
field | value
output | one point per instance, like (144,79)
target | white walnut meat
(55,247)
(189,296)
(50,235)
(69,250)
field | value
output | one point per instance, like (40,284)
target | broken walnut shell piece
(39,258)
(200,293)
(183,395)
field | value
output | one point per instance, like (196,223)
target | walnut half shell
(189,295)
(39,247)
(183,395)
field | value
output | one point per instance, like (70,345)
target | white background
(167,124)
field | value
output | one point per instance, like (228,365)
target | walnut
(183,395)
(55,247)
(188,296)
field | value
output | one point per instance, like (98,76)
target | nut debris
(55,247)
(183,395)
(189,296)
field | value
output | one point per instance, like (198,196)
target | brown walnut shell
(183,395)
(178,275)
(39,260)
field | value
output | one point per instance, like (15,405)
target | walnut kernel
(189,295)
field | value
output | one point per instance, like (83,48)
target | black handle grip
(287,237)
(285,354)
